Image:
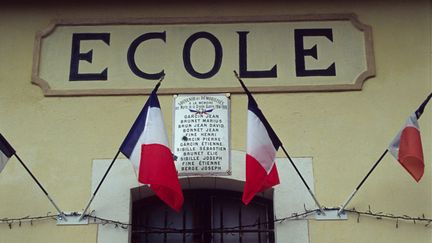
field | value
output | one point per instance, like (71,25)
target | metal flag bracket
(72,218)
(331,214)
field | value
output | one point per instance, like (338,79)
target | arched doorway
(208,215)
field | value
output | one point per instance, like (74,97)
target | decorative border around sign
(357,85)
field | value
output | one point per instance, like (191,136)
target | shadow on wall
(187,183)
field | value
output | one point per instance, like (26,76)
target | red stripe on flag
(411,153)
(257,179)
(158,170)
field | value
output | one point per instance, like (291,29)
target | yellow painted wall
(344,132)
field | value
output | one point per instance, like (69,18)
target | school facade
(335,79)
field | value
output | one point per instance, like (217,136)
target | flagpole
(417,113)
(291,161)
(303,180)
(109,168)
(97,188)
(62,215)
(361,183)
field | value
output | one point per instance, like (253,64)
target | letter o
(187,58)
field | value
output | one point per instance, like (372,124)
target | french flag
(407,148)
(262,145)
(146,146)
(6,151)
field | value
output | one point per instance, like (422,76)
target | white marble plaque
(201,134)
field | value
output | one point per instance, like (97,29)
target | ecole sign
(273,54)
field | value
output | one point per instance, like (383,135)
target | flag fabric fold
(6,151)
(146,146)
(261,148)
(407,148)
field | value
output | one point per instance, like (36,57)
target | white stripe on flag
(3,160)
(154,133)
(394,145)
(259,144)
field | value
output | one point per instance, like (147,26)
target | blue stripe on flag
(138,127)
(420,110)
(5,147)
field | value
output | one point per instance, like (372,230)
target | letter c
(132,50)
